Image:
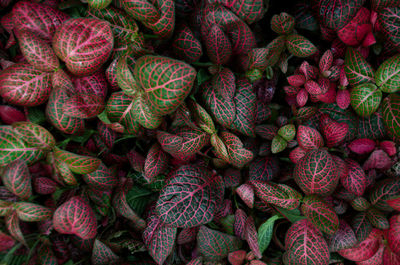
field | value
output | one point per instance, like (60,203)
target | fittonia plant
(245,132)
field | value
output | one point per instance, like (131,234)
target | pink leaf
(362,146)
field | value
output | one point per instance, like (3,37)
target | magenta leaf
(393,236)
(17,179)
(86,54)
(246,193)
(102,254)
(83,106)
(7,242)
(251,237)
(309,138)
(76,217)
(363,250)
(156,162)
(188,199)
(102,178)
(362,146)
(343,238)
(356,181)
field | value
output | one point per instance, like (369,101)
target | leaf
(316,173)
(361,226)
(188,198)
(7,242)
(356,180)
(391,114)
(125,79)
(156,162)
(363,250)
(372,127)
(218,45)
(77,163)
(141,10)
(282,23)
(365,99)
(320,214)
(201,117)
(252,237)
(343,238)
(388,75)
(23,85)
(224,83)
(239,223)
(393,236)
(336,14)
(278,144)
(166,81)
(333,131)
(214,245)
(46,255)
(394,202)
(277,194)
(13,227)
(362,146)
(266,131)
(360,204)
(238,155)
(377,219)
(85,55)
(304,244)
(186,46)
(237,257)
(56,116)
(358,70)
(246,193)
(102,178)
(144,115)
(390,22)
(37,52)
(31,212)
(99,4)
(12,148)
(299,46)
(75,217)
(34,135)
(83,106)
(17,179)
(265,232)
(159,239)
(309,138)
(102,254)
(287,132)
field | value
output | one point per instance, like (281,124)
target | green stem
(200,64)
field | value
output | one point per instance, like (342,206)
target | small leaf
(219,47)
(77,163)
(309,138)
(357,69)
(356,180)
(156,162)
(102,178)
(377,219)
(282,23)
(287,132)
(343,238)
(365,99)
(17,179)
(238,155)
(246,193)
(102,254)
(13,227)
(278,144)
(265,232)
(299,46)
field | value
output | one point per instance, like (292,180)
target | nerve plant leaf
(17,179)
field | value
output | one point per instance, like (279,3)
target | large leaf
(364,249)
(265,232)
(277,194)
(320,214)
(357,69)
(316,173)
(361,226)
(84,44)
(304,244)
(38,18)
(34,135)
(159,239)
(391,114)
(76,217)
(300,46)
(17,179)
(24,85)
(389,19)
(77,163)
(214,245)
(102,254)
(32,212)
(388,75)
(12,148)
(188,199)
(37,52)
(219,47)
(336,14)
(166,82)
(365,99)
(384,190)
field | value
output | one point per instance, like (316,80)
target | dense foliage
(242,132)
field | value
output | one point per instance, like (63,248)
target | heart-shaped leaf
(102,254)
(316,173)
(186,46)
(32,212)
(309,138)
(85,55)
(357,69)
(299,46)
(12,148)
(365,99)
(188,199)
(280,195)
(304,244)
(159,239)
(391,114)
(214,245)
(22,84)
(77,163)
(156,162)
(389,19)
(75,217)
(388,75)
(37,52)
(34,135)
(320,214)
(17,179)
(282,23)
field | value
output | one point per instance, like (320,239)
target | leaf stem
(200,64)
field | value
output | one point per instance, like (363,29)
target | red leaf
(363,250)
(393,234)
(9,114)
(343,98)
(102,254)
(237,257)
(6,242)
(333,131)
(239,224)
(16,178)
(296,154)
(362,146)
(296,80)
(219,47)
(389,147)
(356,180)
(246,193)
(156,162)
(252,237)
(309,138)
(378,160)
(12,224)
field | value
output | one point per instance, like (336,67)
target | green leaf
(138,198)
(388,75)
(278,144)
(265,232)
(36,115)
(34,135)
(357,69)
(299,46)
(365,99)
(77,163)
(292,215)
(391,114)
